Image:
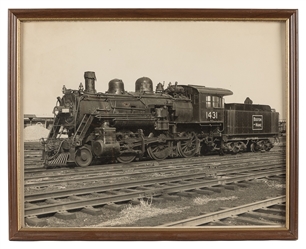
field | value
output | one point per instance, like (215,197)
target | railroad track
(94,197)
(34,163)
(148,165)
(157,180)
(270,212)
(39,183)
(191,169)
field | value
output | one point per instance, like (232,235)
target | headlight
(65,110)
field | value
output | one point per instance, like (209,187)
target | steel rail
(152,163)
(144,163)
(222,214)
(144,182)
(126,172)
(208,171)
(31,170)
(102,200)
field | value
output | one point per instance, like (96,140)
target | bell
(159,88)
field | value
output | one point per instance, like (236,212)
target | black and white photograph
(154,124)
(144,124)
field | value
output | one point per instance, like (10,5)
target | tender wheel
(188,148)
(268,145)
(159,151)
(126,158)
(235,149)
(254,147)
(83,157)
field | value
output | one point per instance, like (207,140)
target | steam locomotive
(179,121)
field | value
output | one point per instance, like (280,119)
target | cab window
(208,101)
(214,101)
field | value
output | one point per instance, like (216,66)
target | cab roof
(210,90)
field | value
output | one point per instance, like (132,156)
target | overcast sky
(246,57)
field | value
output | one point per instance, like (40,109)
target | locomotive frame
(17,232)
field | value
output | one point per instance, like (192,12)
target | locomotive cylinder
(90,79)
(100,148)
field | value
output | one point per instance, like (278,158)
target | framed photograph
(153,124)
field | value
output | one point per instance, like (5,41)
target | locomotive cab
(208,104)
(212,108)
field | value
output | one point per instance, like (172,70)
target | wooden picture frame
(18,232)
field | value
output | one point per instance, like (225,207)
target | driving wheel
(187,148)
(160,150)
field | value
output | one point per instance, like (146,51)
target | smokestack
(90,79)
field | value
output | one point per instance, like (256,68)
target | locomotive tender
(179,121)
